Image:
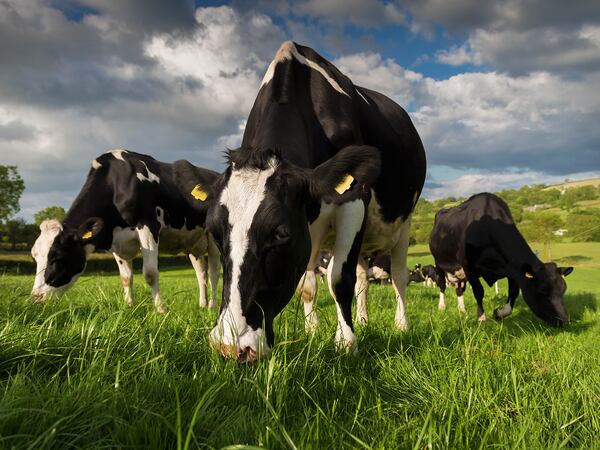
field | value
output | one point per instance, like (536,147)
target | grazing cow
(415,276)
(478,238)
(127,202)
(319,156)
(430,275)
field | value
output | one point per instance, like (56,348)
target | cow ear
(564,271)
(527,271)
(203,187)
(346,175)
(90,229)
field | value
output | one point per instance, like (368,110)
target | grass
(86,371)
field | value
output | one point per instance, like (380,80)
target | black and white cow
(479,238)
(430,275)
(128,203)
(323,164)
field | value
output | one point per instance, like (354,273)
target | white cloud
(473,183)
(521,52)
(181,96)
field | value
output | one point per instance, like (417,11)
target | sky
(503,93)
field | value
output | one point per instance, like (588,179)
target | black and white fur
(276,205)
(479,239)
(129,203)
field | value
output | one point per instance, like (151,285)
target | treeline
(542,214)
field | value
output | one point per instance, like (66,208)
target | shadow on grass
(573,259)
(418,254)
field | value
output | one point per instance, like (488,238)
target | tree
(19,232)
(11,189)
(542,227)
(51,212)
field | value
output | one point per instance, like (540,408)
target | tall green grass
(87,371)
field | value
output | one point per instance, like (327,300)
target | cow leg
(214,268)
(478,292)
(441,283)
(349,228)
(149,246)
(126,275)
(513,293)
(361,290)
(460,296)
(200,268)
(400,274)
(308,283)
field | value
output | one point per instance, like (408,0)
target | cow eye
(281,233)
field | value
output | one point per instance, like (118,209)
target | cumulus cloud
(539,122)
(521,52)
(472,183)
(518,36)
(74,89)
(178,82)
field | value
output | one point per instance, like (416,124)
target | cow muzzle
(38,296)
(246,348)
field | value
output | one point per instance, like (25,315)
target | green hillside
(567,212)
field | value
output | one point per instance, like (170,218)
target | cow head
(60,255)
(544,289)
(258,219)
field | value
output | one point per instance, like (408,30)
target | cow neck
(517,249)
(94,200)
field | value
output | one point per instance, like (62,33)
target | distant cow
(430,275)
(129,202)
(478,238)
(415,276)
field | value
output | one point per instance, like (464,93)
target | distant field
(577,183)
(580,254)
(87,371)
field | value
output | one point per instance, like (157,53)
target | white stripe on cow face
(244,193)
(49,230)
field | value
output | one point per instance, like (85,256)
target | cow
(430,275)
(415,276)
(323,164)
(479,239)
(129,202)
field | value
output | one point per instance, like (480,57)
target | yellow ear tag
(198,193)
(528,275)
(87,235)
(345,184)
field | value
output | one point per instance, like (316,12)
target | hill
(567,212)
(576,184)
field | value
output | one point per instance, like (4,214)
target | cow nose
(246,355)
(37,297)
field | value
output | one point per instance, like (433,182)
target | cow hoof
(346,344)
(362,320)
(212,305)
(130,303)
(496,315)
(162,309)
(402,325)
(441,306)
(462,311)
(482,318)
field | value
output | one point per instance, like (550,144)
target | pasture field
(87,371)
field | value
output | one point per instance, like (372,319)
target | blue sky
(502,93)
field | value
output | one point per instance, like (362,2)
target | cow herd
(324,164)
